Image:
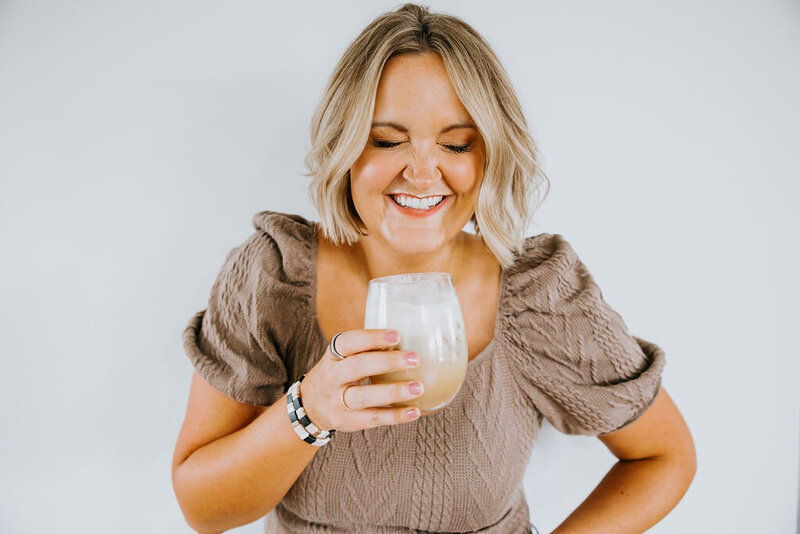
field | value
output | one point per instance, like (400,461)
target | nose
(422,168)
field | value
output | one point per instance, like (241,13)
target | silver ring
(334,352)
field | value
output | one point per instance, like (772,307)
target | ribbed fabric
(559,352)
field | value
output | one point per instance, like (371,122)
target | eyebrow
(401,128)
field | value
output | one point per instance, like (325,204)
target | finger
(373,417)
(374,395)
(365,364)
(352,342)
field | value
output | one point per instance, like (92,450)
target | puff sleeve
(233,343)
(573,358)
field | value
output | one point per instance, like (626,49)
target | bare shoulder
(210,415)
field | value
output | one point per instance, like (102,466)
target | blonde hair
(341,124)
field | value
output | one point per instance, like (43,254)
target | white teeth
(413,202)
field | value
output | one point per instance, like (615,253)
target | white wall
(137,139)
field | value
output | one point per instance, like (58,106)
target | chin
(415,244)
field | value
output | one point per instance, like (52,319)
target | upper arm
(210,415)
(660,431)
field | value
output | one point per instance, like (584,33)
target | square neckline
(498,320)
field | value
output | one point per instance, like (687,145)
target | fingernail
(392,337)
(415,387)
(412,413)
(412,358)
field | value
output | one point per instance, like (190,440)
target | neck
(379,259)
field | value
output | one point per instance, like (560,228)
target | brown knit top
(559,352)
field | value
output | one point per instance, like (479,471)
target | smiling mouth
(420,204)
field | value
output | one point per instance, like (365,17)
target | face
(422,147)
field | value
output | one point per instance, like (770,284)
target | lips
(440,199)
(414,212)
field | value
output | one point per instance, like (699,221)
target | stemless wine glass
(424,309)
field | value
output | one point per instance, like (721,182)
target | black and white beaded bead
(303,427)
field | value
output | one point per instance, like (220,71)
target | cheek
(369,177)
(371,172)
(465,175)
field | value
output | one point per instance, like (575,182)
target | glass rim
(410,278)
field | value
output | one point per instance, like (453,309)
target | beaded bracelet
(302,425)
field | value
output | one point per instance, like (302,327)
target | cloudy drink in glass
(424,309)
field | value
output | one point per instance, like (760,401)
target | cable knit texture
(559,352)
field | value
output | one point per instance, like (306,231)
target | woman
(418,133)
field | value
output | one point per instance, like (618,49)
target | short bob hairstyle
(341,124)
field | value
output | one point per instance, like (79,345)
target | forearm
(242,476)
(632,497)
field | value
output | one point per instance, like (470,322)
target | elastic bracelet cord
(303,427)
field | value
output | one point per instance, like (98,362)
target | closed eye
(383,144)
(458,149)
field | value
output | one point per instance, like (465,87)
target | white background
(137,139)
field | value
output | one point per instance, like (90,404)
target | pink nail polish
(392,337)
